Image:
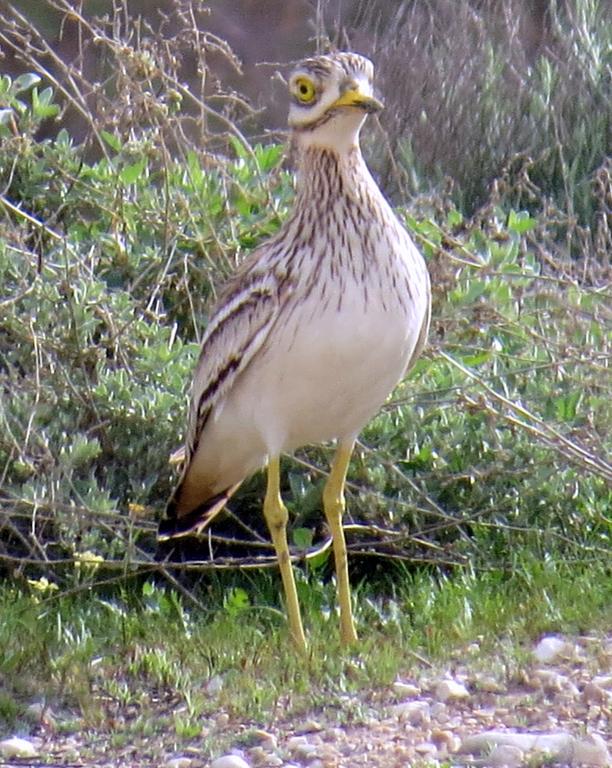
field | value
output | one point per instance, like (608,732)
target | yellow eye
(304,90)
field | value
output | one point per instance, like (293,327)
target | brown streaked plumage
(314,330)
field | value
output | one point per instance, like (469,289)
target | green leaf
(236,600)
(41,104)
(302,538)
(476,359)
(454,218)
(131,173)
(520,222)
(112,140)
(25,81)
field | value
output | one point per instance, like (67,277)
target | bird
(311,333)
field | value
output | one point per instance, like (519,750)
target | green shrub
(109,262)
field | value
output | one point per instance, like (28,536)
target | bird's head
(330,98)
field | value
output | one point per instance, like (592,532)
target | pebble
(505,756)
(266,739)
(426,748)
(445,741)
(229,761)
(553,682)
(306,752)
(450,690)
(222,720)
(17,747)
(590,750)
(550,648)
(603,681)
(179,762)
(595,694)
(413,712)
(406,690)
(258,755)
(439,712)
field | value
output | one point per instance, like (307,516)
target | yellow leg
(276,516)
(333,504)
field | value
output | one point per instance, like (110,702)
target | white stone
(603,681)
(229,761)
(450,690)
(295,742)
(306,752)
(17,747)
(426,748)
(553,682)
(406,690)
(179,762)
(505,756)
(591,750)
(273,761)
(560,744)
(550,648)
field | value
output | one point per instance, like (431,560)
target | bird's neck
(326,174)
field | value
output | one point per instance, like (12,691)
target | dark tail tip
(175,526)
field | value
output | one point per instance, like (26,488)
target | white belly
(322,378)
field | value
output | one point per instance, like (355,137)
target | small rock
(591,750)
(550,648)
(310,726)
(594,694)
(426,748)
(445,741)
(553,682)
(603,681)
(229,761)
(406,690)
(273,761)
(489,685)
(295,742)
(414,712)
(553,743)
(222,720)
(439,712)
(16,747)
(179,762)
(266,739)
(450,690)
(258,755)
(306,752)
(505,756)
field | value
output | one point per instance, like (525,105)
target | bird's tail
(175,526)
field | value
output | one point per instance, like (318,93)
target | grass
(144,658)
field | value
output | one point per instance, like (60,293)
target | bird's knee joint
(276,516)
(333,503)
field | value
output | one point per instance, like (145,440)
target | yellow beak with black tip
(353,97)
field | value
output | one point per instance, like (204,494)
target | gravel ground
(554,708)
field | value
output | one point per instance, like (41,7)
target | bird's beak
(353,97)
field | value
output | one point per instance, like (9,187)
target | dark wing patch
(238,328)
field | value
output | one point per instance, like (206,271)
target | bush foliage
(112,251)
